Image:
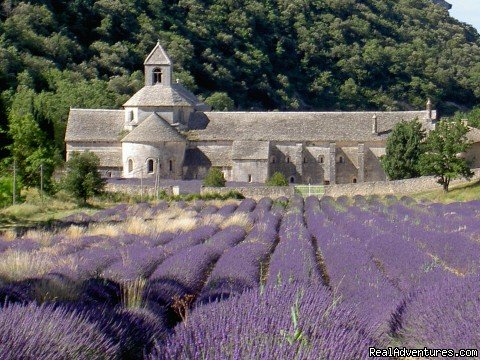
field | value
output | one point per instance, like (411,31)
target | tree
(214,178)
(277,179)
(83,179)
(403,150)
(220,101)
(443,153)
(31,146)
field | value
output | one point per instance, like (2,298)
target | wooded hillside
(265,54)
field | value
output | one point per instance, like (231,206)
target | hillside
(323,55)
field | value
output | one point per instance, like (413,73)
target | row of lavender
(384,268)
(319,277)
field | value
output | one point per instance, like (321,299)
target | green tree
(31,146)
(403,150)
(443,153)
(214,178)
(277,179)
(83,179)
(220,101)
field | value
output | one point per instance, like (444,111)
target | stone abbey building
(165,131)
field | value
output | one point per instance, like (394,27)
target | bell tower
(158,67)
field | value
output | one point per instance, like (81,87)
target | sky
(466,11)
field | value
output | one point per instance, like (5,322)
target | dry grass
(74,232)
(173,220)
(104,230)
(137,226)
(213,219)
(9,235)
(44,238)
(16,265)
(221,203)
(240,219)
(132,293)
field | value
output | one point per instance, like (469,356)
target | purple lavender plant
(43,332)
(288,322)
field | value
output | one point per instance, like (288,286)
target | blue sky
(467,11)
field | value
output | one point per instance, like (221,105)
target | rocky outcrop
(443,3)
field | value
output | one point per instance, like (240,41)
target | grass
(17,266)
(132,293)
(458,193)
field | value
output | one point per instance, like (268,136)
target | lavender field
(283,279)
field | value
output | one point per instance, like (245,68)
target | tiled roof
(250,150)
(165,95)
(154,129)
(94,125)
(210,155)
(298,126)
(159,95)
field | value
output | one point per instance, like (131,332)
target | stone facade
(165,132)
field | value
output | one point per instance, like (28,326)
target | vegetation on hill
(325,55)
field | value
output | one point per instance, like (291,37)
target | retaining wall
(396,187)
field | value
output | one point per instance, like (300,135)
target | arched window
(354,180)
(157,76)
(249,178)
(130,116)
(130,165)
(170,163)
(304,159)
(321,159)
(150,164)
(273,159)
(292,180)
(288,159)
(341,160)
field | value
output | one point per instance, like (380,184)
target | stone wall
(397,187)
(254,192)
(130,189)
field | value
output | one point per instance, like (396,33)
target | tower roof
(158,56)
(163,95)
(154,129)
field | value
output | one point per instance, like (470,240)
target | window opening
(150,166)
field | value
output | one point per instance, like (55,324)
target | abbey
(165,131)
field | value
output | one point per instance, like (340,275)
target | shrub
(214,178)
(277,179)
(83,179)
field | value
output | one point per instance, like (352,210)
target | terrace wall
(254,192)
(396,187)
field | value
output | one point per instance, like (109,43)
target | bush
(83,179)
(6,190)
(277,179)
(214,178)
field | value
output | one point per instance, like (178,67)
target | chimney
(374,125)
(429,109)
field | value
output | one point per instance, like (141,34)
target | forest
(268,54)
